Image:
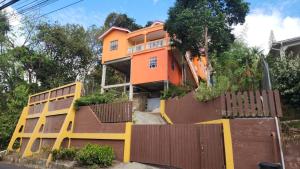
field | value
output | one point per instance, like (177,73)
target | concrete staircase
(147,118)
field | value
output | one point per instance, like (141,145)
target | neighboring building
(146,59)
(285,47)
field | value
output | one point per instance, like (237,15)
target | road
(9,166)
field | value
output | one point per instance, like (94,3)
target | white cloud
(15,21)
(256,30)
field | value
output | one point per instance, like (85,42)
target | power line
(74,3)
(8,4)
(36,18)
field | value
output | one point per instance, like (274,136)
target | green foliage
(97,98)
(241,65)
(93,154)
(285,76)
(188,19)
(64,154)
(17,144)
(121,20)
(16,100)
(205,93)
(174,91)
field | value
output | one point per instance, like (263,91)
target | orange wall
(174,75)
(140,71)
(121,52)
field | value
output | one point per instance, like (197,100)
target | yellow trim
(57,112)
(64,133)
(100,136)
(16,133)
(33,116)
(127,142)
(163,113)
(227,140)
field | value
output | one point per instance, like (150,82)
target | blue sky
(89,12)
(280,16)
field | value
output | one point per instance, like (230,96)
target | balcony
(147,46)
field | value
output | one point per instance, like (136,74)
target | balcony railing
(149,45)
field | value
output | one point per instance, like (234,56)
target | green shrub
(64,154)
(93,154)
(174,91)
(107,97)
(205,93)
(17,144)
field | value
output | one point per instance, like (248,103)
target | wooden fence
(113,112)
(179,146)
(251,104)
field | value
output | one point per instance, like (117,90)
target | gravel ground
(10,166)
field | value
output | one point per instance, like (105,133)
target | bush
(64,154)
(93,154)
(205,93)
(174,91)
(107,97)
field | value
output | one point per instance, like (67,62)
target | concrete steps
(147,118)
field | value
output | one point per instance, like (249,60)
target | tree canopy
(188,20)
(121,20)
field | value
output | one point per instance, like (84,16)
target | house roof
(111,29)
(286,42)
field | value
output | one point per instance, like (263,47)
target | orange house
(145,57)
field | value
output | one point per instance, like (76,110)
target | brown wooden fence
(113,112)
(251,104)
(179,146)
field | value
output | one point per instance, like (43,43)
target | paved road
(9,166)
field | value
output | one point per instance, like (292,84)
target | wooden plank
(278,103)
(271,103)
(240,104)
(223,105)
(228,104)
(234,105)
(252,104)
(258,103)
(246,104)
(265,103)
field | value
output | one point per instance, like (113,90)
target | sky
(281,16)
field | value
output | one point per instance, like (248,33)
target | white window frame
(113,45)
(153,62)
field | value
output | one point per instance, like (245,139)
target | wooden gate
(179,146)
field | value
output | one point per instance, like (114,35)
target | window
(114,45)
(153,62)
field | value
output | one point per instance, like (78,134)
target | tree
(189,19)
(285,76)
(4,28)
(240,64)
(67,54)
(121,20)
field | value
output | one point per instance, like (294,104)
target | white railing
(136,48)
(156,44)
(149,45)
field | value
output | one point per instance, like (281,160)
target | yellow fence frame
(64,132)
(227,140)
(163,112)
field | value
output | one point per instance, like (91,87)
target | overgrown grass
(64,154)
(175,91)
(97,98)
(205,93)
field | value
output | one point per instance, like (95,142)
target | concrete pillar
(130,92)
(166,85)
(103,78)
